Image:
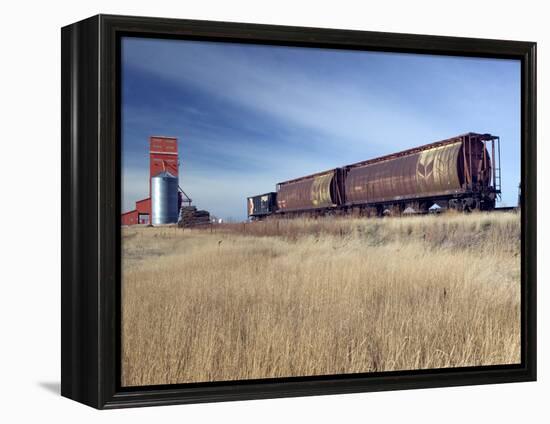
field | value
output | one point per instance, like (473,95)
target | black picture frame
(90,236)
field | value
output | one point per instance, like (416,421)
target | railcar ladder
(497,181)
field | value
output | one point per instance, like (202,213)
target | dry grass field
(318,297)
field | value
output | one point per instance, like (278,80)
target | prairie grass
(319,297)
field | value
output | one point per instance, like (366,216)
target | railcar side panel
(307,193)
(427,173)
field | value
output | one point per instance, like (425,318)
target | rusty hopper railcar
(456,173)
(322,191)
(262,205)
(461,173)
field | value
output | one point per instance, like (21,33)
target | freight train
(458,173)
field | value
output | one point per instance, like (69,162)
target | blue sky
(249,116)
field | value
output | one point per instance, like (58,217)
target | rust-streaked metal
(478,166)
(427,172)
(437,170)
(458,138)
(455,168)
(320,190)
(450,166)
(313,192)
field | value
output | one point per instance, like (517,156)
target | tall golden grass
(319,297)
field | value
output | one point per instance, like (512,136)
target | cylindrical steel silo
(164,199)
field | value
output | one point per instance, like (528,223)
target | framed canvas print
(255,211)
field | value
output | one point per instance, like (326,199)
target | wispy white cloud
(347,113)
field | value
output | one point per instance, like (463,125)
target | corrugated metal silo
(164,198)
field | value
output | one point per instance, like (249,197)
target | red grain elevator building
(163,156)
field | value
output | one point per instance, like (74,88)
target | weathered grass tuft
(318,297)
